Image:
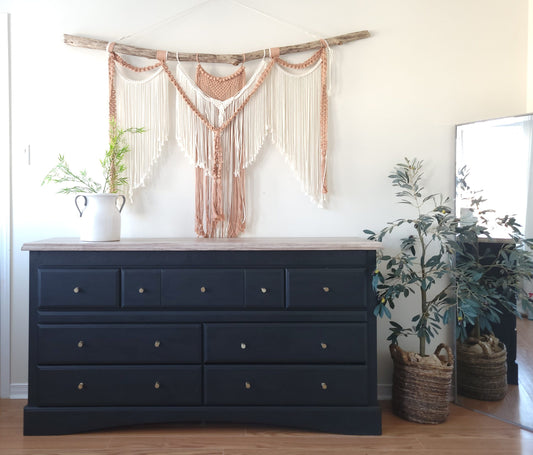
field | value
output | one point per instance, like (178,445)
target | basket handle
(472,340)
(449,352)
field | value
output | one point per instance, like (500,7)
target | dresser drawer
(297,385)
(77,288)
(141,287)
(265,288)
(128,385)
(202,288)
(285,343)
(326,288)
(119,343)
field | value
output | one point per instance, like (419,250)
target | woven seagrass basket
(482,368)
(420,390)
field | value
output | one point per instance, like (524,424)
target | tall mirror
(497,157)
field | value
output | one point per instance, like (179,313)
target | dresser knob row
(248,386)
(157,385)
(203,289)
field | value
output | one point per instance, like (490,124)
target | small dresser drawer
(88,288)
(265,288)
(115,386)
(81,344)
(141,287)
(202,288)
(286,343)
(326,288)
(296,385)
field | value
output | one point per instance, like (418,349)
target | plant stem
(423,292)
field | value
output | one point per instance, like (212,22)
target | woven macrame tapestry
(221,125)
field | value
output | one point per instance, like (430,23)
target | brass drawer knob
(323,345)
(80,344)
(141,290)
(157,343)
(81,385)
(264,290)
(202,289)
(326,289)
(247,385)
(323,385)
(243,345)
(76,290)
(157,385)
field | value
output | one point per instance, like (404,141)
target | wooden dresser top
(196,244)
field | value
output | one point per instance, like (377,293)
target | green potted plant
(489,277)
(421,382)
(100,211)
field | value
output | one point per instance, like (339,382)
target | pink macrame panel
(220,88)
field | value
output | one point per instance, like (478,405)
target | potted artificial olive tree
(99,204)
(490,280)
(421,382)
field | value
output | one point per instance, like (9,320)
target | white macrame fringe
(142,103)
(295,124)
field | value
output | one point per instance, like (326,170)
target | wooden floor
(464,433)
(517,406)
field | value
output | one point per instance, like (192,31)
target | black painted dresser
(268,331)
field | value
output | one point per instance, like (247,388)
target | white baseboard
(384,391)
(18,391)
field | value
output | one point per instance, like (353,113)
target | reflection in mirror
(497,155)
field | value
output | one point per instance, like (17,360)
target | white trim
(18,391)
(384,392)
(5,209)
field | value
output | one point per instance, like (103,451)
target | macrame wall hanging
(222,122)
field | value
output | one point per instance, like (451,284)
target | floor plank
(464,433)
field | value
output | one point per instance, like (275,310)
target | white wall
(428,66)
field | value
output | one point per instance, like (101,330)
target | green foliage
(113,167)
(424,258)
(77,183)
(490,280)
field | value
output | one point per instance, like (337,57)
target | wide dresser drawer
(77,288)
(326,288)
(127,385)
(285,343)
(291,385)
(119,344)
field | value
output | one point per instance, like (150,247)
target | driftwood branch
(234,59)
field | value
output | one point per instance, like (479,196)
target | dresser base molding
(40,421)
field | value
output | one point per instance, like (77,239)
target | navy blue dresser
(266,331)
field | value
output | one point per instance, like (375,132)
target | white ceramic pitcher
(100,216)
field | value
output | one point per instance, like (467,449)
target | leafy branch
(423,260)
(113,167)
